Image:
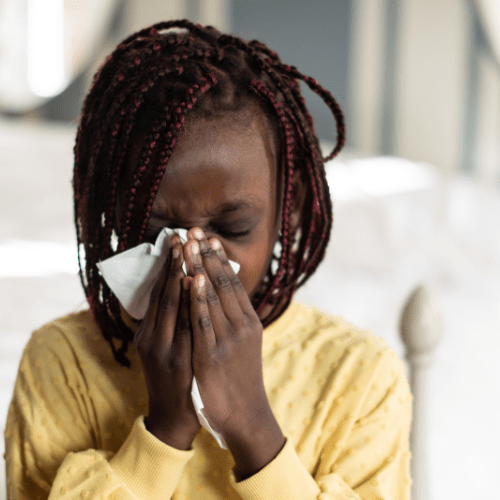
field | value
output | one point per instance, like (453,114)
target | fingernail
(215,244)
(195,248)
(198,234)
(176,252)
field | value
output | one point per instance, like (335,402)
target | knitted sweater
(75,425)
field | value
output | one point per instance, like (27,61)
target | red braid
(147,87)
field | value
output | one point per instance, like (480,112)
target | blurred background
(416,192)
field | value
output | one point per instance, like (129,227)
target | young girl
(185,127)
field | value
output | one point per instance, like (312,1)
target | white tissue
(198,406)
(131,275)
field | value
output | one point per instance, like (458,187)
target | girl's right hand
(163,342)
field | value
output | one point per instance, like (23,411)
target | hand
(227,341)
(163,341)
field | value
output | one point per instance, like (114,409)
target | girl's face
(222,178)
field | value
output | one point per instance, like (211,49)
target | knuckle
(207,253)
(201,299)
(204,322)
(254,326)
(236,283)
(218,355)
(152,357)
(175,269)
(223,260)
(212,297)
(176,363)
(198,268)
(183,324)
(222,282)
(167,303)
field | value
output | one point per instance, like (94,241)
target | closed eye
(152,234)
(229,235)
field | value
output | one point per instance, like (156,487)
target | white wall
(425,114)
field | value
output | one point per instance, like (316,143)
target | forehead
(216,162)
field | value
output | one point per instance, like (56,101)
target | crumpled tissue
(131,276)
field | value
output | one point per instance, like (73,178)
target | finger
(169,304)
(193,265)
(238,289)
(175,239)
(170,242)
(218,318)
(204,338)
(218,277)
(183,331)
(148,322)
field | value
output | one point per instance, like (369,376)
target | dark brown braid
(147,88)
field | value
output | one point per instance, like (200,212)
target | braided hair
(152,81)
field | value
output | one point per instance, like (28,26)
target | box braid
(148,87)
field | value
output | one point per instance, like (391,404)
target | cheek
(254,262)
(251,269)
(255,258)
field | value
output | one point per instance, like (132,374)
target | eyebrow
(227,207)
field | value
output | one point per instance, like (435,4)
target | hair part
(148,86)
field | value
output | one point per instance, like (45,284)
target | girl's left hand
(227,341)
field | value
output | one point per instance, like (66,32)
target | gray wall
(312,35)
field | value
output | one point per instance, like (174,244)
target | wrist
(253,448)
(179,439)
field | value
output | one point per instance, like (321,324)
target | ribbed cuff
(150,468)
(284,478)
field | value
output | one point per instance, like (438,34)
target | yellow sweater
(75,425)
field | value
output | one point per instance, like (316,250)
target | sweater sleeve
(372,464)
(50,445)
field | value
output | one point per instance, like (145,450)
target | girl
(185,127)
